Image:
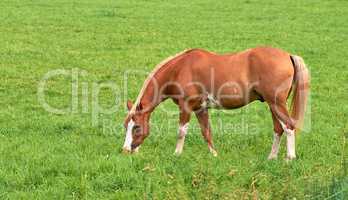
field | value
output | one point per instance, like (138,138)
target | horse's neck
(152,95)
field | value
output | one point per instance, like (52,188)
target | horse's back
(256,72)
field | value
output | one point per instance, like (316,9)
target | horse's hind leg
(278,132)
(203,119)
(282,115)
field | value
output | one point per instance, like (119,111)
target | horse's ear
(129,105)
(139,107)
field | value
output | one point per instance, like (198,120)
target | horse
(197,80)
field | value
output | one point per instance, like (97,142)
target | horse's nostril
(133,146)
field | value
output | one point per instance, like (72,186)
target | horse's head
(137,127)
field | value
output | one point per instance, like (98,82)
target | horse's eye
(136,129)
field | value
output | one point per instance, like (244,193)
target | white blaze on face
(128,140)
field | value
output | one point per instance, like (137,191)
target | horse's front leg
(183,126)
(203,119)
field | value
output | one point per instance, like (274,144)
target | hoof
(177,153)
(272,157)
(290,158)
(215,154)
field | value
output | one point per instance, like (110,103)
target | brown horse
(196,80)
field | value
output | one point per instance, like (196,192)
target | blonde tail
(300,91)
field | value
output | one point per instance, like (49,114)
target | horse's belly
(232,103)
(229,98)
(223,103)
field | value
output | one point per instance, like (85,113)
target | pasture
(98,53)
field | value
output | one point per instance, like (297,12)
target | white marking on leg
(275,146)
(290,142)
(128,140)
(290,138)
(213,151)
(181,138)
(212,102)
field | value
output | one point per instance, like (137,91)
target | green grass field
(76,155)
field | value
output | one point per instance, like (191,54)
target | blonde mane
(150,76)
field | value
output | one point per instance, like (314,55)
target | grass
(76,155)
